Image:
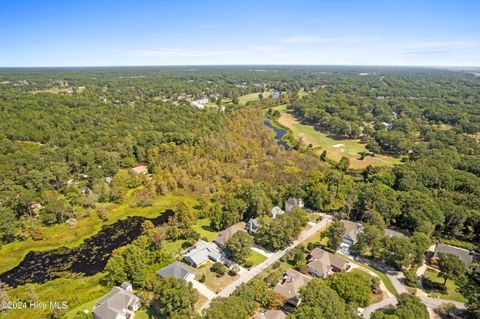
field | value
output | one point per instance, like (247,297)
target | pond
(88,259)
(279,133)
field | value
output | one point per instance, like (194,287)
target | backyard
(437,290)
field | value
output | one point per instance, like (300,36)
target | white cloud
(317,39)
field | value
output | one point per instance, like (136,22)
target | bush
(219,269)
(411,278)
(203,278)
(248,264)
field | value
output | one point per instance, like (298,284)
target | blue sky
(128,32)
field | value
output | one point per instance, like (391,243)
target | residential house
(276,211)
(253,225)
(177,270)
(321,263)
(352,230)
(226,234)
(392,233)
(293,202)
(270,314)
(289,287)
(463,254)
(140,170)
(120,303)
(275,95)
(202,252)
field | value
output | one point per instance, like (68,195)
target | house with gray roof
(462,254)
(275,212)
(352,230)
(253,225)
(177,270)
(120,303)
(270,314)
(293,202)
(202,252)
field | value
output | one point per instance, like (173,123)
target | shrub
(219,269)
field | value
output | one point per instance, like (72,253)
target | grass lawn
(244,99)
(202,227)
(214,283)
(11,254)
(315,239)
(335,148)
(77,292)
(201,301)
(452,288)
(381,275)
(256,258)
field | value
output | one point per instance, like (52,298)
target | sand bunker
(338,145)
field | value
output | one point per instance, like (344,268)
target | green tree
(184,216)
(334,234)
(451,267)
(232,307)
(353,287)
(238,247)
(174,298)
(320,301)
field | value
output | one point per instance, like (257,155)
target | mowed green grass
(335,148)
(256,258)
(244,99)
(213,282)
(11,254)
(452,288)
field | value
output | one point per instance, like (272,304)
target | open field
(335,148)
(452,288)
(11,254)
(77,292)
(244,99)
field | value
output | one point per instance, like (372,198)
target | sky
(188,32)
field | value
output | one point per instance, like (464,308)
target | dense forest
(69,139)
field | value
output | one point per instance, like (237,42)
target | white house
(276,211)
(202,252)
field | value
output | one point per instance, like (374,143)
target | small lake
(88,259)
(279,133)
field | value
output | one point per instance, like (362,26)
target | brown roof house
(289,287)
(140,170)
(120,303)
(321,263)
(462,254)
(352,230)
(226,234)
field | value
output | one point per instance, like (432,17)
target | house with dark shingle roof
(120,303)
(177,270)
(462,254)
